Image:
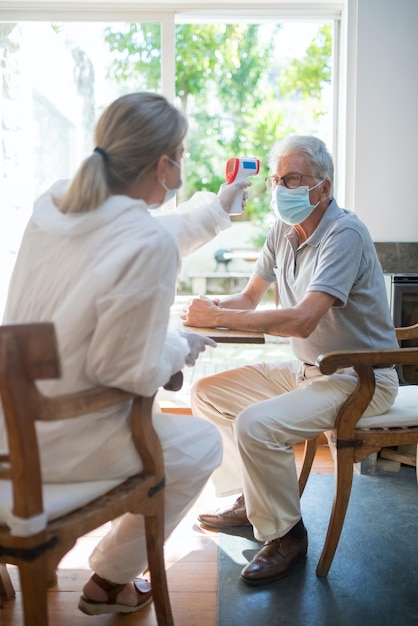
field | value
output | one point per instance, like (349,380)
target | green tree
(307,76)
(136,54)
(218,69)
(241,82)
(300,82)
(224,119)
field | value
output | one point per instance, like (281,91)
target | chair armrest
(329,362)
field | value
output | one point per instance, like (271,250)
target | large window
(241,84)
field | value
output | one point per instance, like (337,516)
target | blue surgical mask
(292,206)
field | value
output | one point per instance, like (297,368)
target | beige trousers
(261,411)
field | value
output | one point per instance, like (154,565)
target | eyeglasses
(291,181)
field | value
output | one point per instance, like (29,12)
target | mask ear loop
(314,187)
(317,185)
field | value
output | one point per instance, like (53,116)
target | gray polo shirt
(340,259)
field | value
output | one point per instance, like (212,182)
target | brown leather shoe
(275,559)
(234,515)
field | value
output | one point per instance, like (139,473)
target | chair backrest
(25,356)
(29,352)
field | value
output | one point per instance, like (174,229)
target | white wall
(385,118)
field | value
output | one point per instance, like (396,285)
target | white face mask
(171,193)
(293,206)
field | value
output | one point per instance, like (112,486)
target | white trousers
(192,450)
(261,411)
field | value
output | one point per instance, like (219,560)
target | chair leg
(52,578)
(311,446)
(154,528)
(33,580)
(343,483)
(7,591)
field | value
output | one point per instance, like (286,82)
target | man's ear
(326,187)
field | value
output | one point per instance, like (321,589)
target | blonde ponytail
(88,189)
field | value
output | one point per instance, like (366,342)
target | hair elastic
(102,153)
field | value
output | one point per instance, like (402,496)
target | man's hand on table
(201,312)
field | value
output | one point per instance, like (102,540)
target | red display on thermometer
(238,169)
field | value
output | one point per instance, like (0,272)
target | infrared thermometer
(238,169)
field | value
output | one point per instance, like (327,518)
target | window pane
(56,80)
(244,86)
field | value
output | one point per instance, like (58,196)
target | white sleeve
(196,221)
(130,347)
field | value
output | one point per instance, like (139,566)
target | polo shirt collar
(332,213)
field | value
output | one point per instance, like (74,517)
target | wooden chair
(353,441)
(40,523)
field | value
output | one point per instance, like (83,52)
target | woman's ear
(161,168)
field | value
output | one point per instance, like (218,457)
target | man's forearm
(237,301)
(299,321)
(268,322)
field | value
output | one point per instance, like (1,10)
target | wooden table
(224,335)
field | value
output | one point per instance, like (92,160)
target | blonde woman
(94,261)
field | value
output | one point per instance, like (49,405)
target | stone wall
(398,257)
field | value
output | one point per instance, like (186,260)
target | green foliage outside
(237,96)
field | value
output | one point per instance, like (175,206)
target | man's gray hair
(313,149)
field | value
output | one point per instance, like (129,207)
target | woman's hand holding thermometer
(238,169)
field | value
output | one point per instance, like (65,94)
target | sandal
(100,607)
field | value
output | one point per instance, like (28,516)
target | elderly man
(333,297)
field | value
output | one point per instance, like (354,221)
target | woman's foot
(102,596)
